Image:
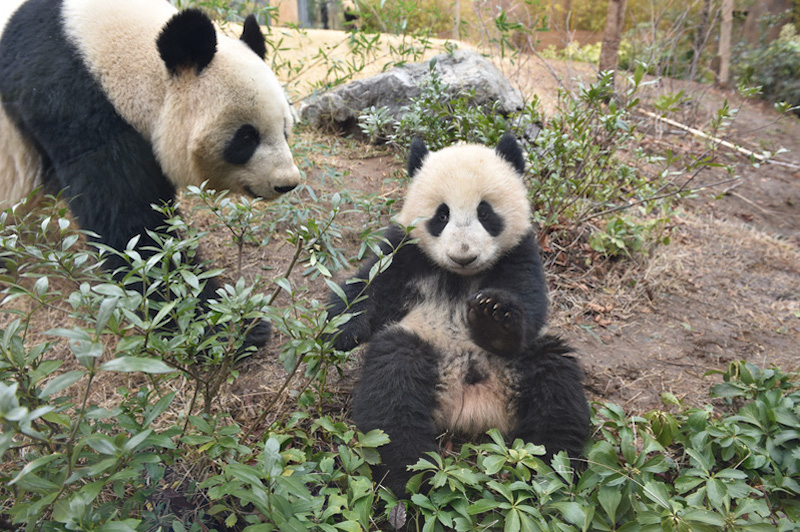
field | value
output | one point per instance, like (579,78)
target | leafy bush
(775,67)
(156,458)
(437,116)
(584,160)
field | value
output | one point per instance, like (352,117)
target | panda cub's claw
(496,322)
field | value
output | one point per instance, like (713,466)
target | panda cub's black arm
(385,295)
(510,308)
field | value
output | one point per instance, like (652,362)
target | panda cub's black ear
(508,148)
(188,40)
(252,36)
(416,155)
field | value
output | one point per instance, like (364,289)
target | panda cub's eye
(243,145)
(489,219)
(438,221)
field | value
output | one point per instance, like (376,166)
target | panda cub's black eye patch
(489,219)
(243,145)
(436,224)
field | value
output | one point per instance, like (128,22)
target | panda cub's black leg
(496,322)
(552,409)
(395,393)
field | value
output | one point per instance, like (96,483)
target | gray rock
(461,71)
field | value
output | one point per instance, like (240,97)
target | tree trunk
(612,35)
(457,20)
(725,42)
(701,38)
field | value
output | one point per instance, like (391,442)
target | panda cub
(453,325)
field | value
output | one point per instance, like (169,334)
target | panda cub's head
(467,203)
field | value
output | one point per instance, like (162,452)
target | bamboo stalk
(717,140)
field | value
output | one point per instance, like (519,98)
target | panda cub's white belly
(476,389)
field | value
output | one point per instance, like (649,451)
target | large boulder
(461,71)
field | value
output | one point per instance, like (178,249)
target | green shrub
(775,67)
(153,459)
(584,159)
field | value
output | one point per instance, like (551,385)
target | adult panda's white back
(20,164)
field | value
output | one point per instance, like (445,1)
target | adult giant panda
(119,102)
(453,325)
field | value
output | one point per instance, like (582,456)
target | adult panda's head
(225,116)
(467,203)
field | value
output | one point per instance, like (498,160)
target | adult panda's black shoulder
(453,327)
(116,103)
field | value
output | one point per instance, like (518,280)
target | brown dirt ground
(726,288)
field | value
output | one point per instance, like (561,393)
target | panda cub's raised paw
(496,322)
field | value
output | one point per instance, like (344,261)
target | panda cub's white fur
(463,407)
(453,326)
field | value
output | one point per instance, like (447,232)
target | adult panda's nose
(284,189)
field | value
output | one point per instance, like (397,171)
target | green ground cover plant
(169,453)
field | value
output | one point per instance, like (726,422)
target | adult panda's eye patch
(243,145)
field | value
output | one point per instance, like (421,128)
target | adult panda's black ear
(252,36)
(508,148)
(188,40)
(416,155)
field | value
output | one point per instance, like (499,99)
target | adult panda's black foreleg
(396,393)
(552,409)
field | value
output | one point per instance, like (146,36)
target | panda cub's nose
(285,189)
(463,261)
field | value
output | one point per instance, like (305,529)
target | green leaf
(34,465)
(132,443)
(41,285)
(102,444)
(337,290)
(61,382)
(128,525)
(512,521)
(191,279)
(572,512)
(162,314)
(104,313)
(72,334)
(657,492)
(159,408)
(492,464)
(374,438)
(245,473)
(609,498)
(132,364)
(482,506)
(701,515)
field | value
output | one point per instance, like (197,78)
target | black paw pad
(496,323)
(486,308)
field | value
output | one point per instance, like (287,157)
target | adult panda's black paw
(259,335)
(496,322)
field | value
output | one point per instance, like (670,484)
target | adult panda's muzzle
(284,189)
